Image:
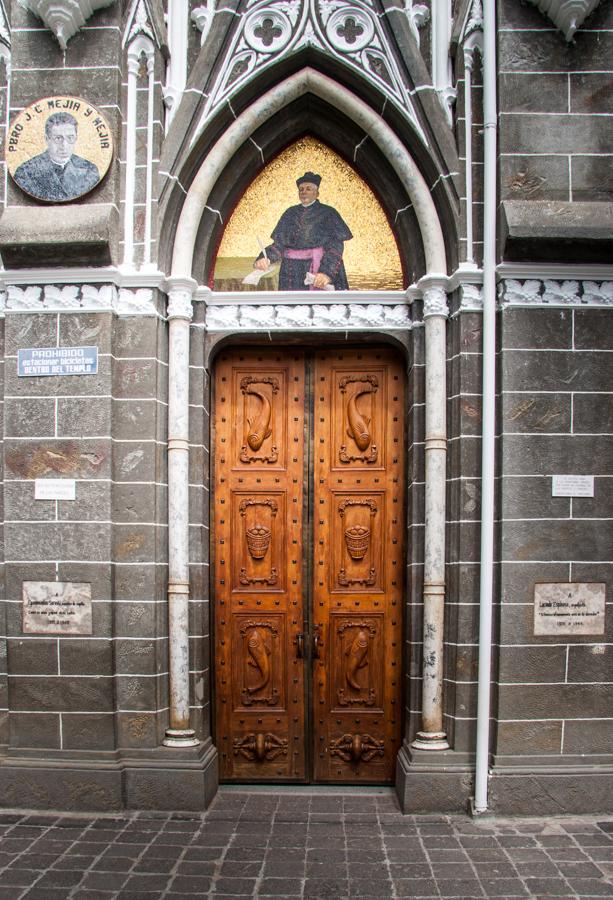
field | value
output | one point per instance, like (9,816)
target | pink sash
(315,254)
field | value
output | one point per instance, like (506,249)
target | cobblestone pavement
(301,844)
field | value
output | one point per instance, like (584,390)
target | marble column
(179,733)
(432,736)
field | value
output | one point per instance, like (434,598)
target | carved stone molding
(534,292)
(64,17)
(435,302)
(351,32)
(567,15)
(337,315)
(179,304)
(202,17)
(91,297)
(418,15)
(471,297)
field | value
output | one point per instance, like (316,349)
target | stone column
(179,733)
(432,736)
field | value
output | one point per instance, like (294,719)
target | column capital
(435,302)
(180,294)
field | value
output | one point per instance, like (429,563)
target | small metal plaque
(572,485)
(57,607)
(32,361)
(55,489)
(569,608)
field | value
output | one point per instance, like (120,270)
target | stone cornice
(567,15)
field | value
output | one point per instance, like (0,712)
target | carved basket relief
(358,555)
(257,547)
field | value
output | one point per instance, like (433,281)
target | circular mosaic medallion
(59,149)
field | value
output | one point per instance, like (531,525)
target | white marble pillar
(179,733)
(432,736)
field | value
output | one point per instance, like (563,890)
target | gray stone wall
(554,695)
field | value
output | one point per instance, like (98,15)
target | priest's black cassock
(303,228)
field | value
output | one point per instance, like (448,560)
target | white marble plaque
(57,607)
(55,489)
(569,608)
(572,485)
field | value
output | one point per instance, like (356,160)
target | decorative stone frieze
(272,29)
(533,292)
(64,17)
(471,297)
(89,297)
(333,316)
(567,15)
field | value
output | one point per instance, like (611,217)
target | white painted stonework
(64,17)
(534,292)
(341,316)
(80,297)
(567,15)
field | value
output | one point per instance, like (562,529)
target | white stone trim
(331,316)
(64,18)
(78,298)
(202,17)
(547,292)
(176,72)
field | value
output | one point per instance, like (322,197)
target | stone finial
(64,17)
(567,15)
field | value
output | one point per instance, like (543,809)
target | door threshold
(344,789)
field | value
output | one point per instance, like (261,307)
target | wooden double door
(308,525)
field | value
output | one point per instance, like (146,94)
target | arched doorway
(308,551)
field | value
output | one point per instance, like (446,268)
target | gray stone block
(557,539)
(134,502)
(32,330)
(588,737)
(525,177)
(549,792)
(516,93)
(187,787)
(59,541)
(89,236)
(592,178)
(86,329)
(573,701)
(590,663)
(134,694)
(28,417)
(135,336)
(593,413)
(58,458)
(99,575)
(537,329)
(427,785)
(133,543)
(88,731)
(79,418)
(136,730)
(136,378)
(61,694)
(134,461)
(140,657)
(535,51)
(591,93)
(20,505)
(528,737)
(544,455)
(135,620)
(93,503)
(532,664)
(86,657)
(137,419)
(552,230)
(40,731)
(530,498)
(60,787)
(600,506)
(32,656)
(593,329)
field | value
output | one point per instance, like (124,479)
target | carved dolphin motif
(358,423)
(356,659)
(259,425)
(259,653)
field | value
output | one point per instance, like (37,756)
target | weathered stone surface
(592,330)
(134,461)
(59,694)
(86,329)
(547,455)
(88,731)
(590,663)
(592,178)
(133,543)
(137,419)
(135,336)
(538,51)
(593,413)
(77,418)
(537,329)
(19,503)
(41,731)
(529,737)
(138,693)
(136,730)
(591,93)
(541,177)
(137,620)
(552,230)
(574,701)
(28,417)
(139,657)
(59,541)
(588,737)
(532,664)
(33,330)
(557,539)
(55,787)
(32,656)
(536,412)
(86,657)
(89,236)
(530,498)
(517,93)
(57,458)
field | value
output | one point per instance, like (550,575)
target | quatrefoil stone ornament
(349,29)
(268,31)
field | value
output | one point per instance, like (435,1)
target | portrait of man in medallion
(58,174)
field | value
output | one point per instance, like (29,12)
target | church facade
(281,534)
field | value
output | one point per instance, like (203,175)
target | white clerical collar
(306,205)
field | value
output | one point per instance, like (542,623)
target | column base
(433,782)
(430,740)
(180,737)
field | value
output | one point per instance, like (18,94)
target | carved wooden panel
(358,564)
(258,455)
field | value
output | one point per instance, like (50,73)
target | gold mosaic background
(371,257)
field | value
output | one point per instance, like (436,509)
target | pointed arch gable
(267,106)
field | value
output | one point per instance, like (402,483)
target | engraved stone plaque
(569,608)
(57,607)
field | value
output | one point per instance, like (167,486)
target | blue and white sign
(57,361)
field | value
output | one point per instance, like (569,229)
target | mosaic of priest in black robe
(308,241)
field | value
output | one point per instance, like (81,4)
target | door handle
(317,643)
(300,645)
